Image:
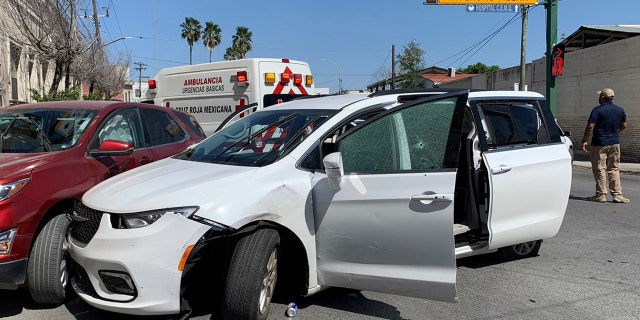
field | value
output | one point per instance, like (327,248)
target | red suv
(50,154)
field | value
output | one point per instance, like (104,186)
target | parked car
(50,154)
(377,192)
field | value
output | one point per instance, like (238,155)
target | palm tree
(211,37)
(242,41)
(231,54)
(191,30)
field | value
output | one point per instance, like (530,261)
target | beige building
(20,66)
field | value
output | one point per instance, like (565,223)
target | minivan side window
(414,138)
(512,124)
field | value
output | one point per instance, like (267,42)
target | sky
(344,39)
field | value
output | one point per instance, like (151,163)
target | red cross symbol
(240,106)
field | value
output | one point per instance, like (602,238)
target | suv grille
(84,225)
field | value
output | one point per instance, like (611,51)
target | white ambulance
(213,91)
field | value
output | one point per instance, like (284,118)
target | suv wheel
(47,273)
(252,276)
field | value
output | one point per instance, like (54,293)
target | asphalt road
(590,270)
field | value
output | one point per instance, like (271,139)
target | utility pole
(552,37)
(523,48)
(140,66)
(96,23)
(393,66)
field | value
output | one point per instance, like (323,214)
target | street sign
(492,8)
(488,2)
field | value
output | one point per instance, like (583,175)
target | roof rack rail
(410,91)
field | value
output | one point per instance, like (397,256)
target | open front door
(385,222)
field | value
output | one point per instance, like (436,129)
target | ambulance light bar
(285,77)
(270,77)
(242,79)
(297,78)
(152,84)
(308,79)
(241,76)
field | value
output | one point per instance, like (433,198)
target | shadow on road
(348,300)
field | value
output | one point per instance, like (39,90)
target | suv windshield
(33,130)
(260,138)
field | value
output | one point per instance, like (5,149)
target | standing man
(605,122)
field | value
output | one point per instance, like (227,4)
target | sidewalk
(624,166)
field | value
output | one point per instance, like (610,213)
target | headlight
(6,240)
(8,190)
(143,219)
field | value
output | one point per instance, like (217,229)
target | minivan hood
(167,183)
(18,164)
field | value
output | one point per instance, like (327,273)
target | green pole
(552,38)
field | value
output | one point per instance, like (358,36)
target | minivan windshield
(260,138)
(42,130)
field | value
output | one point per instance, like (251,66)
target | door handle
(436,197)
(503,168)
(145,160)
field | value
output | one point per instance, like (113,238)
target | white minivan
(378,192)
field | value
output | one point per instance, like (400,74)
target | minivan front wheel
(47,273)
(252,276)
(521,250)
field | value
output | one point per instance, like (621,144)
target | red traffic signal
(558,60)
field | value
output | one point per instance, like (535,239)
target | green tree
(211,37)
(231,54)
(191,30)
(479,68)
(242,41)
(410,62)
(67,95)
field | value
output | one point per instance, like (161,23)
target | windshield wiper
(46,143)
(253,136)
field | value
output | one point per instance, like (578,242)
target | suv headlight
(8,190)
(6,240)
(143,219)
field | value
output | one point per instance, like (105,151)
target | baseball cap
(607,92)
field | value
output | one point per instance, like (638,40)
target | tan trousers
(606,160)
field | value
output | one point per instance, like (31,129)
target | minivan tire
(47,272)
(252,276)
(521,250)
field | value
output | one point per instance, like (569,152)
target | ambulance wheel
(520,250)
(47,272)
(252,276)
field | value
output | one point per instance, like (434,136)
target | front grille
(84,225)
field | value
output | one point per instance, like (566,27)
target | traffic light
(558,60)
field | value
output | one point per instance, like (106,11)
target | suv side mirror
(112,148)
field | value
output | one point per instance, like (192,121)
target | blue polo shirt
(607,118)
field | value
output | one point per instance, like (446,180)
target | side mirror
(567,133)
(112,148)
(333,167)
